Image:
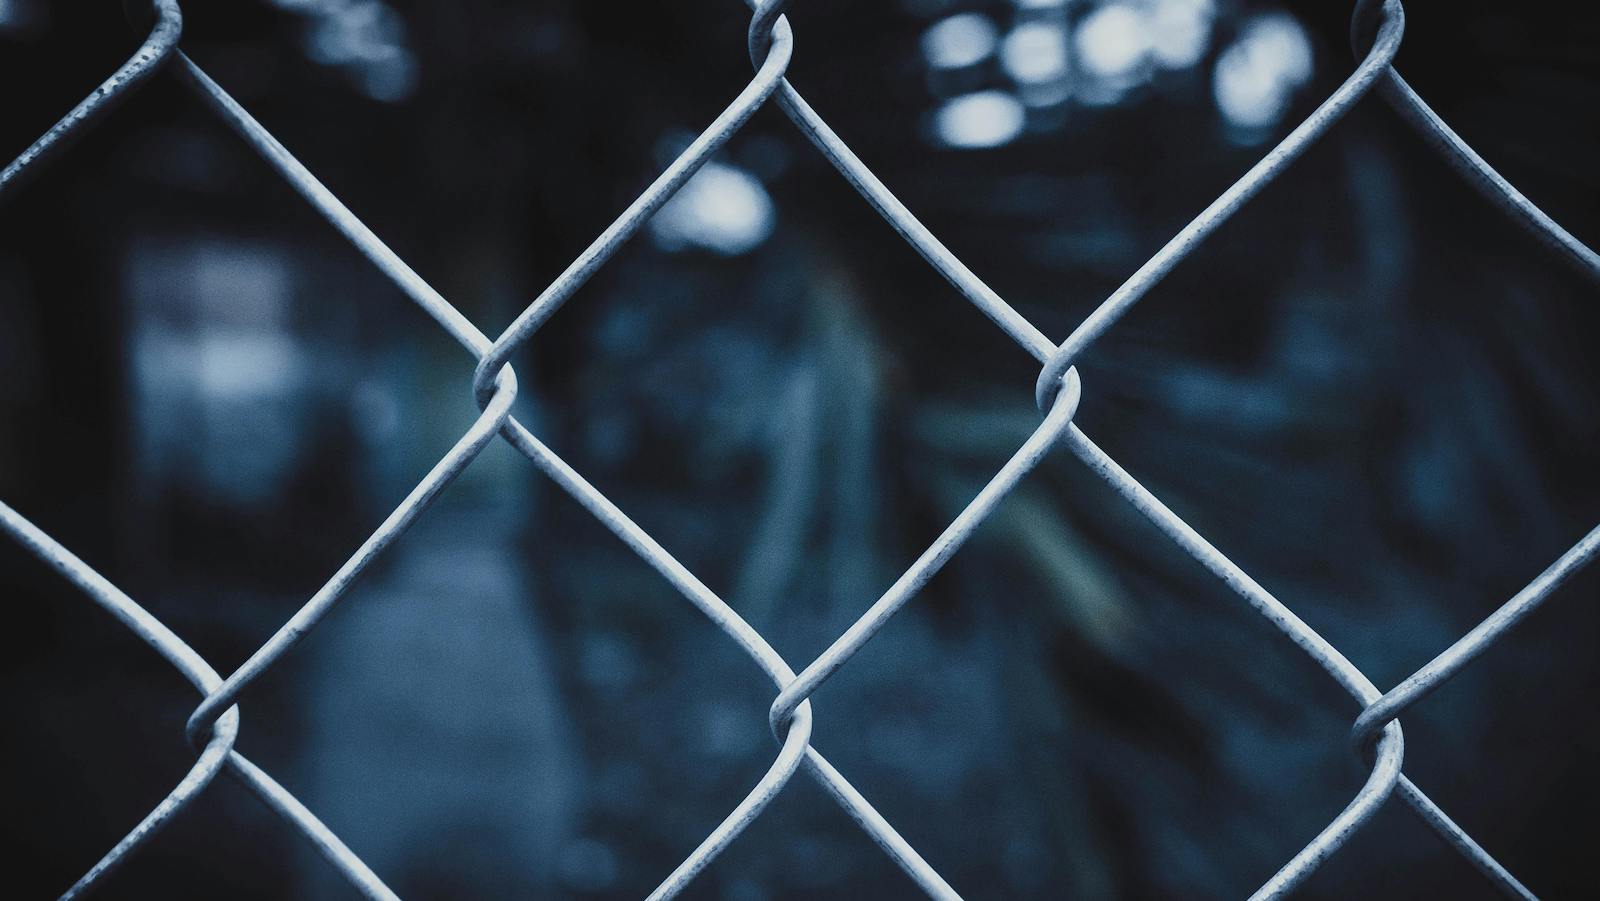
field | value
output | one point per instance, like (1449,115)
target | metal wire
(213,727)
(1222,209)
(217,750)
(163,39)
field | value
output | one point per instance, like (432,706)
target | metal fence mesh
(213,727)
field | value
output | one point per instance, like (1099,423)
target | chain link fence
(1376,31)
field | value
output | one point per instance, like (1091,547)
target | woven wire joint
(213,727)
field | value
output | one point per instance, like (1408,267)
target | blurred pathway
(435,742)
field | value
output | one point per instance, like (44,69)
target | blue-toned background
(1370,390)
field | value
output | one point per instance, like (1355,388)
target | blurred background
(1369,389)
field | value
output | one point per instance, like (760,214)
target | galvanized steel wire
(214,725)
